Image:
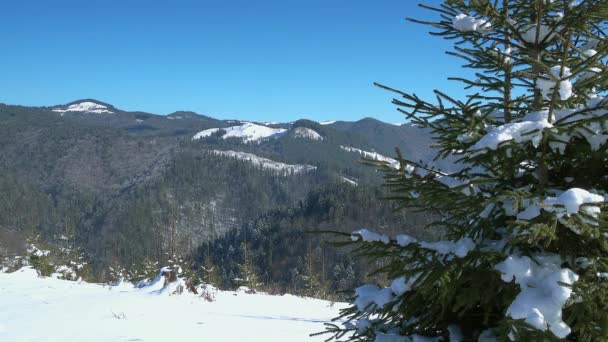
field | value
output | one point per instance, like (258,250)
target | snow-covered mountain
(251,132)
(103,169)
(248,132)
(306,133)
(84,106)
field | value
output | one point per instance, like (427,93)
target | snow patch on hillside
(267,164)
(85,107)
(248,132)
(370,155)
(47,309)
(327,122)
(349,181)
(306,133)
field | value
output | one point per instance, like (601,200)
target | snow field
(47,309)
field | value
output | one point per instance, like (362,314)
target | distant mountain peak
(306,133)
(85,106)
(186,114)
(324,123)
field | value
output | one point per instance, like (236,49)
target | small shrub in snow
(208,292)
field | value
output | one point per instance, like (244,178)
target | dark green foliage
(501,198)
(290,257)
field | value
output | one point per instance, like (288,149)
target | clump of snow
(34,250)
(306,133)
(459,248)
(529,33)
(404,240)
(400,285)
(265,163)
(542,296)
(567,203)
(467,23)
(531,211)
(504,55)
(518,132)
(85,107)
(368,295)
(588,54)
(369,236)
(248,132)
(547,83)
(570,201)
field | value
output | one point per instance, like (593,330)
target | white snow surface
(248,132)
(459,248)
(327,122)
(542,296)
(265,163)
(85,107)
(306,133)
(369,296)
(570,201)
(528,33)
(518,132)
(531,126)
(47,309)
(369,236)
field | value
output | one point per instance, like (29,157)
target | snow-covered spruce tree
(525,255)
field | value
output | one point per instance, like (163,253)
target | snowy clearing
(306,133)
(47,309)
(265,163)
(247,131)
(371,155)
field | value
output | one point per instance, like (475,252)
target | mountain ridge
(111,179)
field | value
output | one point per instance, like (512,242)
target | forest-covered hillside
(130,187)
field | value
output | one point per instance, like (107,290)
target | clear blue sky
(257,60)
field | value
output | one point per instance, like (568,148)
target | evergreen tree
(525,255)
(209,273)
(247,271)
(311,276)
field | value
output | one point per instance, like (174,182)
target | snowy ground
(47,309)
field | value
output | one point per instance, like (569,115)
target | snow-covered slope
(85,107)
(48,309)
(349,181)
(267,163)
(306,133)
(369,155)
(247,131)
